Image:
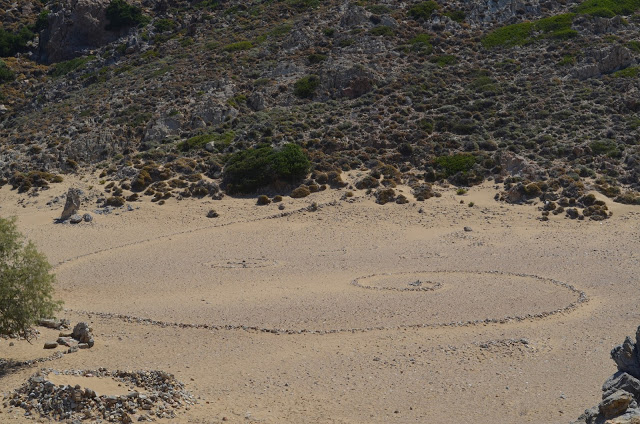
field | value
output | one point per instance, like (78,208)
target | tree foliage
(26,282)
(248,170)
(121,15)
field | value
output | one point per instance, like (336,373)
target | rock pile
(81,337)
(155,394)
(621,392)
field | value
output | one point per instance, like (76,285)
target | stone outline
(581,298)
(231,263)
(434,285)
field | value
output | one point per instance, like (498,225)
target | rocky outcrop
(74,27)
(603,61)
(72,204)
(350,81)
(488,11)
(621,392)
(514,165)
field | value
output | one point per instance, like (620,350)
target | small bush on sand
(26,282)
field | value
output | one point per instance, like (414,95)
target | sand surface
(354,313)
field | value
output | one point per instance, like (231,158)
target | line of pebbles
(581,298)
(160,397)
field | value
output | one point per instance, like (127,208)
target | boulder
(72,204)
(74,28)
(615,404)
(621,381)
(82,333)
(625,356)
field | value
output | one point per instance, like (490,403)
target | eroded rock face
(621,392)
(603,61)
(75,26)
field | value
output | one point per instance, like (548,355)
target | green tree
(26,282)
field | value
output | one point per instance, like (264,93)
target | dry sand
(313,317)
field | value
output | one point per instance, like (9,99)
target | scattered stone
(75,219)
(56,324)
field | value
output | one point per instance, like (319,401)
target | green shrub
(303,4)
(63,68)
(604,147)
(378,9)
(43,21)
(281,30)
(382,30)
(10,43)
(634,45)
(316,58)
(630,72)
(444,60)
(238,46)
(557,27)
(5,73)
(163,25)
(306,86)
(251,169)
(456,15)
(221,141)
(121,15)
(510,35)
(423,10)
(26,282)
(460,162)
(608,8)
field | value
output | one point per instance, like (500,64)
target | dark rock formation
(621,392)
(75,26)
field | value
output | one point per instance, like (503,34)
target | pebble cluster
(160,397)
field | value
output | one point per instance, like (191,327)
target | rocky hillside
(543,95)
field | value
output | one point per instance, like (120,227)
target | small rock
(212,214)
(75,219)
(87,217)
(468,229)
(50,345)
